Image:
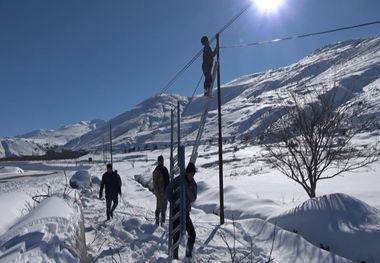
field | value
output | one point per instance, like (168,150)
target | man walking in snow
(191,196)
(160,183)
(112,182)
(208,60)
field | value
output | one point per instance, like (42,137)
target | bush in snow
(312,139)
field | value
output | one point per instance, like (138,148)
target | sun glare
(268,5)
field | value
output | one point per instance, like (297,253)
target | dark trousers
(191,233)
(207,68)
(109,201)
(161,206)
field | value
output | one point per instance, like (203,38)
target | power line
(301,36)
(192,96)
(198,54)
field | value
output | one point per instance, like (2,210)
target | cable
(179,73)
(233,20)
(192,96)
(198,54)
(301,36)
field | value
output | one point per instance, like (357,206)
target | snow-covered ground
(39,229)
(48,232)
(256,197)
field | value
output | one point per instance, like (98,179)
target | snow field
(50,232)
(256,198)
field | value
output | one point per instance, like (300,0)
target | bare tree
(313,139)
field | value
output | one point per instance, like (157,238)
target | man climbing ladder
(208,59)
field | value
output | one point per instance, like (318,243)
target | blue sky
(67,61)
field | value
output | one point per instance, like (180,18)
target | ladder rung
(177,229)
(176,244)
(176,216)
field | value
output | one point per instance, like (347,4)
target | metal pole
(178,125)
(104,156)
(181,163)
(111,142)
(220,139)
(170,250)
(172,145)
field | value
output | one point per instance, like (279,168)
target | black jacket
(208,56)
(191,193)
(112,182)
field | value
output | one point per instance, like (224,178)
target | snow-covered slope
(20,146)
(65,133)
(147,122)
(38,141)
(352,67)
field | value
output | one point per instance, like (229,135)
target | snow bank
(11,170)
(237,204)
(12,205)
(287,247)
(346,225)
(81,180)
(51,232)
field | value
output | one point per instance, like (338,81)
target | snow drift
(51,232)
(339,222)
(81,180)
(10,170)
(12,206)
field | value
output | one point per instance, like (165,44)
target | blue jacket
(191,192)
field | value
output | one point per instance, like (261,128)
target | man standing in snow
(191,196)
(208,60)
(112,182)
(160,183)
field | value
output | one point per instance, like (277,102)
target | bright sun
(268,5)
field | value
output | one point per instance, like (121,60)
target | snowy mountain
(147,122)
(350,67)
(65,133)
(38,141)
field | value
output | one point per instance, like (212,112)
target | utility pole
(178,125)
(170,246)
(111,142)
(171,145)
(220,139)
(104,156)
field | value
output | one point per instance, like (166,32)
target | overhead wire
(192,96)
(301,36)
